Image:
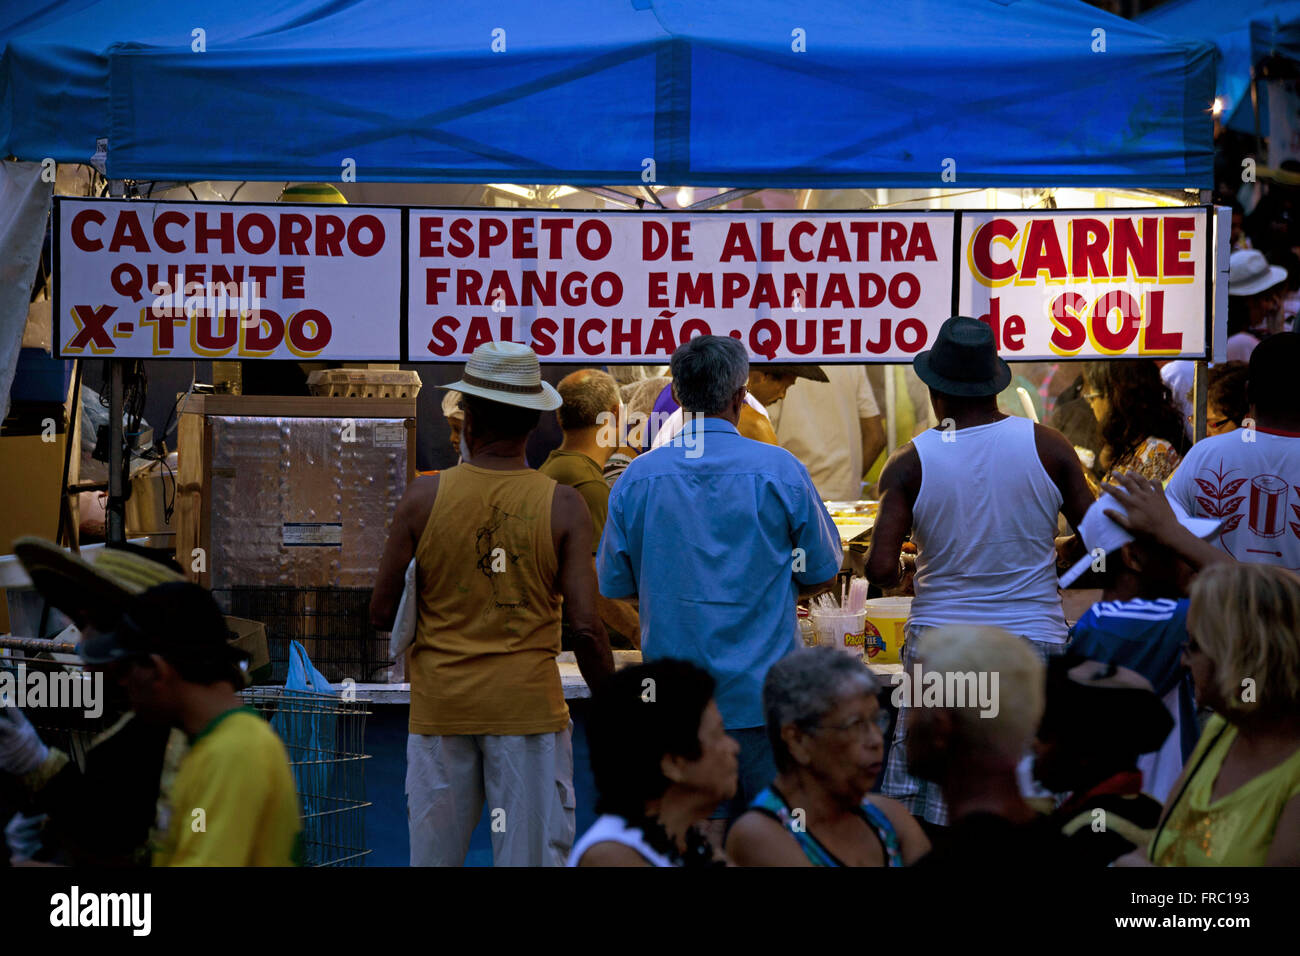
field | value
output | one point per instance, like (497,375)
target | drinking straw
(1026,403)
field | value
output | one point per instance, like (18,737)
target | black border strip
(955,305)
(56,342)
(1211,268)
(403,345)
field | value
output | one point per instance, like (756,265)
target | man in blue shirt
(718,536)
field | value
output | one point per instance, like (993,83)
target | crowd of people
(1169,708)
(1169,711)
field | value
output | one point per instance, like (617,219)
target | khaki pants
(527,781)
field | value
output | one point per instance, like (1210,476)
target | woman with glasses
(1237,802)
(828,736)
(1141,427)
(1226,403)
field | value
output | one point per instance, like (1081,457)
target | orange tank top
(488,623)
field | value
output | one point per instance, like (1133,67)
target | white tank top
(614,829)
(984,524)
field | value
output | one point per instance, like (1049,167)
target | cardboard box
(250,637)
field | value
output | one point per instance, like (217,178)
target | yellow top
(233,802)
(487,627)
(1235,830)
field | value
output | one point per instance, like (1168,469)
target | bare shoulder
(756,839)
(567,505)
(422,490)
(417,503)
(911,835)
(609,853)
(903,469)
(1052,444)
(895,811)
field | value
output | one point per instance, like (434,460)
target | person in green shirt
(591,419)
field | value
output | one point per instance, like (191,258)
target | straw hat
(509,373)
(75,586)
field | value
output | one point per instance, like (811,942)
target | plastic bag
(307,723)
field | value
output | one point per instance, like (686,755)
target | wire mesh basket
(333,624)
(324,735)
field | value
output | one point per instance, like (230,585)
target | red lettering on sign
(1178,231)
(982,250)
(1042,252)
(301,341)
(160,236)
(1089,239)
(91,332)
(79,237)
(127,231)
(431,237)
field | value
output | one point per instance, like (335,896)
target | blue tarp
(757,93)
(1245,35)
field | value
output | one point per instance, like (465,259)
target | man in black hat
(1098,720)
(980,495)
(233,801)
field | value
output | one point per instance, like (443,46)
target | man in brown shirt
(590,419)
(499,548)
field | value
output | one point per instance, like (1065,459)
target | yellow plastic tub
(886,629)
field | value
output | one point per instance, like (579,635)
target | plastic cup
(843,630)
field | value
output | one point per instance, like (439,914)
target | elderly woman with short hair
(828,736)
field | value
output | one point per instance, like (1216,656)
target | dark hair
(1284,257)
(707,372)
(1227,391)
(1238,314)
(497,419)
(1270,380)
(638,716)
(1141,406)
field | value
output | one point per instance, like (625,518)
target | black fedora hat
(964,361)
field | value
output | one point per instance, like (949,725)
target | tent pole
(891,408)
(116,524)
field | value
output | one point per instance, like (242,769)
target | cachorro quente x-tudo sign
(205,280)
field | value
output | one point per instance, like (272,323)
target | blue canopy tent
(753,93)
(54,68)
(1244,37)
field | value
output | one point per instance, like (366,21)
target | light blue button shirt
(714,534)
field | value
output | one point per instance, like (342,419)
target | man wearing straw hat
(500,549)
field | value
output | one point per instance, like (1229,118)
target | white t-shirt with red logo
(1250,478)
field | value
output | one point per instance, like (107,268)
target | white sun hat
(1249,273)
(509,373)
(1101,533)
